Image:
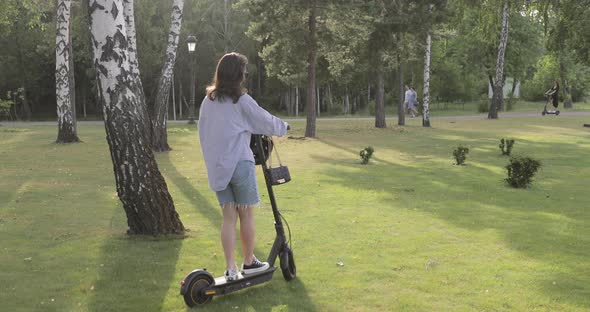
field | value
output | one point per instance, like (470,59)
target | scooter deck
(222,287)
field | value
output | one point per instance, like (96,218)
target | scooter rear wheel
(288,264)
(196,291)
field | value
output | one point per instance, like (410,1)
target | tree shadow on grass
(537,222)
(135,274)
(266,297)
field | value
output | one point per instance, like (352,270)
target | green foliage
(483,106)
(366,154)
(521,171)
(371,108)
(510,102)
(574,26)
(460,154)
(506,146)
(547,70)
(5,105)
(9,102)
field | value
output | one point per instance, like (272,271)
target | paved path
(480,116)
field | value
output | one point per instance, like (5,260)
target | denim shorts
(242,188)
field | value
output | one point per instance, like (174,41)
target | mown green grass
(414,231)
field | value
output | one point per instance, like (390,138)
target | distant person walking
(408,99)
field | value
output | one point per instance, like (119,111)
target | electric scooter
(550,112)
(199,286)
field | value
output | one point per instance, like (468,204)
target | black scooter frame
(194,287)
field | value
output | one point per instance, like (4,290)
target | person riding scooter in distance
(227,119)
(553,94)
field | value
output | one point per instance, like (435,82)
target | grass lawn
(414,231)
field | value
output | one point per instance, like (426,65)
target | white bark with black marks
(140,185)
(426,91)
(498,90)
(159,135)
(129,13)
(66,121)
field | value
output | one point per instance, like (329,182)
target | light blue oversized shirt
(225,129)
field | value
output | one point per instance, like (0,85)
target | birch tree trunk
(380,100)
(159,135)
(498,90)
(72,85)
(140,185)
(401,109)
(66,127)
(129,14)
(426,91)
(312,62)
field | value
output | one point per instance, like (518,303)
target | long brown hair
(228,78)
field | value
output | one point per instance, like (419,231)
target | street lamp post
(192,44)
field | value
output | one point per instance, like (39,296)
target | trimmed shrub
(366,154)
(506,146)
(521,171)
(460,154)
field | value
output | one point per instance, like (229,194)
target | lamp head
(191,41)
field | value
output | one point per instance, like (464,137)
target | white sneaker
(231,275)
(255,267)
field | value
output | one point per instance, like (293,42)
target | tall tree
(498,95)
(22,32)
(291,49)
(134,72)
(311,71)
(140,185)
(426,89)
(556,44)
(160,116)
(66,116)
(577,26)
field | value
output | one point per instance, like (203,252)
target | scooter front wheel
(288,264)
(196,291)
